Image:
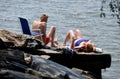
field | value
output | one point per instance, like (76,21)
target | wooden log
(86,61)
(98,60)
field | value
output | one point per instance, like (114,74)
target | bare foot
(56,41)
(54,45)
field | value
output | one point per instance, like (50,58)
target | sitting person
(39,30)
(77,42)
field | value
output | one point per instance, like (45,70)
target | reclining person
(77,42)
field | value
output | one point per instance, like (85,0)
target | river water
(67,15)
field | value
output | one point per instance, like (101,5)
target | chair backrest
(25,26)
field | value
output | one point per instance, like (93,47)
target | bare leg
(51,34)
(78,34)
(69,36)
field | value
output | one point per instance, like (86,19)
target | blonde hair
(89,48)
(44,17)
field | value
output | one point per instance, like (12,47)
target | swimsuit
(47,37)
(78,41)
(47,40)
(35,33)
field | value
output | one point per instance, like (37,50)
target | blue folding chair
(25,26)
(26,29)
